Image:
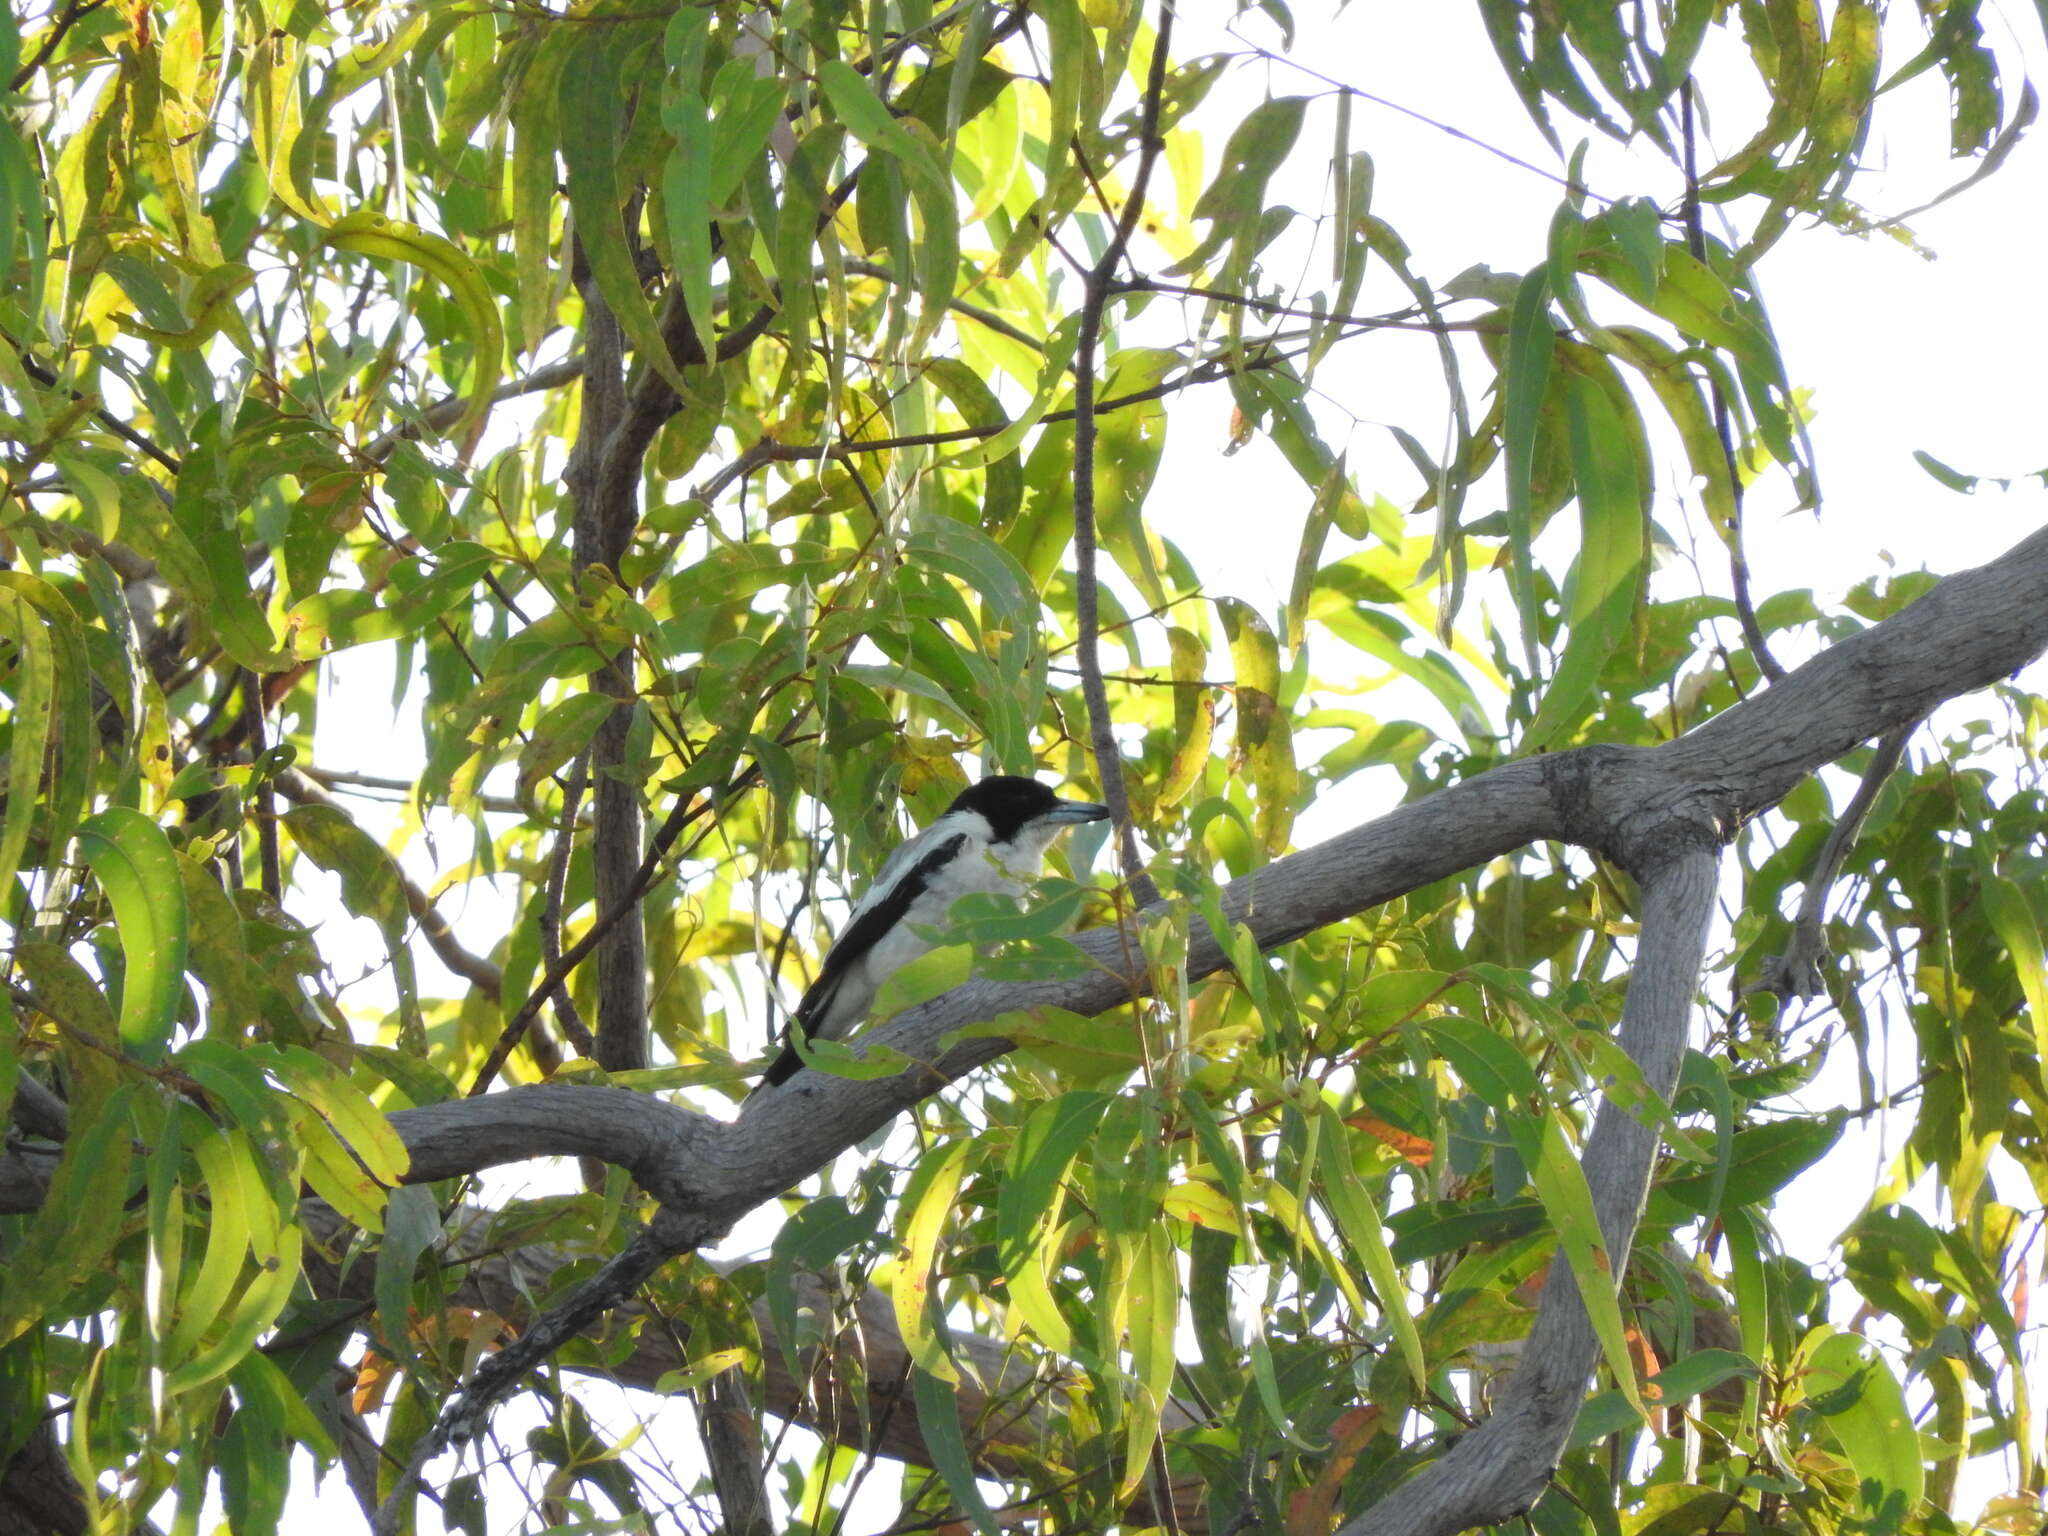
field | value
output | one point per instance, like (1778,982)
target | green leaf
(1679,393)
(562,731)
(938,1416)
(592,95)
(686,174)
(746,109)
(813,1240)
(1235,200)
(1701,1078)
(412,1222)
(1611,463)
(1155,1315)
(368,233)
(78,1223)
(1028,1205)
(2012,919)
(34,686)
(231,1187)
(857,106)
(1425,1231)
(133,862)
(1350,1204)
(1954,479)
(261,1300)
(1560,1183)
(1491,1067)
(1129,442)
(926,1208)
(371,887)
(1849,1384)
(200,549)
(68,785)
(798,231)
(367,1132)
(1609,1413)
(536,113)
(1531,341)
(1764,1159)
(1265,734)
(1076,67)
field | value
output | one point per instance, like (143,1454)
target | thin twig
(1411,319)
(47,376)
(73,14)
(768,451)
(566,1014)
(1738,563)
(372,785)
(1109,768)
(268,864)
(446,412)
(1421,117)
(300,787)
(1795,973)
(685,812)
(986,317)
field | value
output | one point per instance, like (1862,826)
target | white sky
(1900,352)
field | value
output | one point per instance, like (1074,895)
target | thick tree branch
(732,1448)
(607,511)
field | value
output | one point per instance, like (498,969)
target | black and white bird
(992,838)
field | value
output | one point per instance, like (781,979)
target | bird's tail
(780,1071)
(810,1008)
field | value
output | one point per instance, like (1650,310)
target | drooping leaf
(133,862)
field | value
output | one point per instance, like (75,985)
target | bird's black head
(1009,804)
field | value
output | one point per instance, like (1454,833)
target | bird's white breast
(981,868)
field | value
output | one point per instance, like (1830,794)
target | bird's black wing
(869,924)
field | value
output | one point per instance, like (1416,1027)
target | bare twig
(1738,563)
(45,375)
(1421,117)
(300,788)
(443,413)
(1109,768)
(959,306)
(1413,318)
(669,1235)
(73,14)
(768,451)
(375,785)
(1796,972)
(566,1014)
(658,846)
(267,861)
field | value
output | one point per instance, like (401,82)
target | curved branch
(1500,1469)
(1796,972)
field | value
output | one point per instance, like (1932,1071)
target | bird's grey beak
(1068,812)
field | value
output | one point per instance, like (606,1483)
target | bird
(992,838)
